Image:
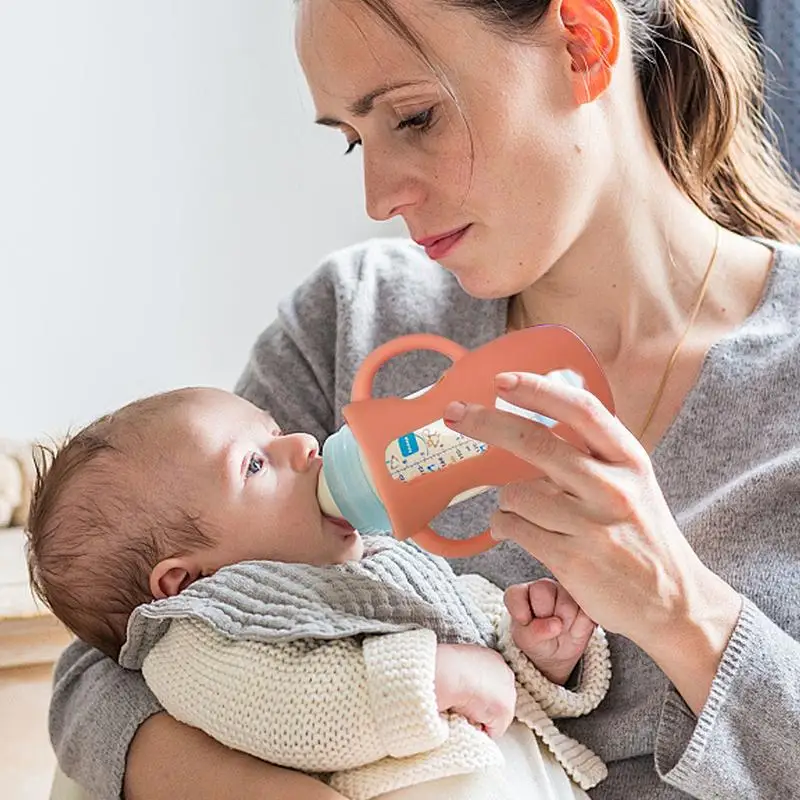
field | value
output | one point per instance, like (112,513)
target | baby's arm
(556,700)
(317,706)
(326,706)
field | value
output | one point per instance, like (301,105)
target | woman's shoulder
(759,361)
(788,250)
(787,254)
(780,301)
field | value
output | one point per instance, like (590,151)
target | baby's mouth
(341,523)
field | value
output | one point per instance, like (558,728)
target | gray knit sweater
(729,467)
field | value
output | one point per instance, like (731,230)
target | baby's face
(251,485)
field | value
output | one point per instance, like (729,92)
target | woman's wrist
(688,647)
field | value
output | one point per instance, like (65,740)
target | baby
(164,499)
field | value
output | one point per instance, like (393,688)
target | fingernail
(507,380)
(455,412)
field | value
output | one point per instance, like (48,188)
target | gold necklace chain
(520,313)
(674,357)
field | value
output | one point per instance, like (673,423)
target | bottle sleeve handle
(428,538)
(365,377)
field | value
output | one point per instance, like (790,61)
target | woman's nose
(389,188)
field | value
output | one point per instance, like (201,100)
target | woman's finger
(536,502)
(606,437)
(548,547)
(569,468)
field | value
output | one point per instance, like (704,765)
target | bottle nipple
(325,499)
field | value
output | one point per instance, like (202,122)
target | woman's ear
(592,30)
(171,576)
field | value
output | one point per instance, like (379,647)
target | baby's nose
(301,450)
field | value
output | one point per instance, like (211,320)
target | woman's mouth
(437,247)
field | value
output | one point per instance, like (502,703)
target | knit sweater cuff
(738,741)
(400,673)
(555,700)
(683,740)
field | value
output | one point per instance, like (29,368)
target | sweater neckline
(720,347)
(714,352)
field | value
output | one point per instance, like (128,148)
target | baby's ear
(171,576)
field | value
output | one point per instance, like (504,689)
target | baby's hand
(475,682)
(548,626)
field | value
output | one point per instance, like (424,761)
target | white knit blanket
(396,587)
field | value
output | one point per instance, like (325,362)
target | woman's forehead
(346,50)
(344,46)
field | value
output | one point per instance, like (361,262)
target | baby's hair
(95,532)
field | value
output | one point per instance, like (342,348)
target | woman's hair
(703,85)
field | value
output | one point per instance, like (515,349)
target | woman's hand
(476,682)
(599,522)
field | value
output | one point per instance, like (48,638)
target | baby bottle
(395,465)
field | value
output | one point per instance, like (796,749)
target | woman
(601,164)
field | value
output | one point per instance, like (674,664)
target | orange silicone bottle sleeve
(376,422)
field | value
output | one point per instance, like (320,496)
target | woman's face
(512,168)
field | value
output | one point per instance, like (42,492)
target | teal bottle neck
(349,484)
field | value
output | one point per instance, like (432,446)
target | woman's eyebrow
(364,105)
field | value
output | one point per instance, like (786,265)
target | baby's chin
(354,550)
(347,544)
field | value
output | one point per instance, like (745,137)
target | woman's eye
(254,465)
(420,122)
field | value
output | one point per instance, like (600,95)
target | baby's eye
(254,465)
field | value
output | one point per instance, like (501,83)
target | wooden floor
(26,759)
(30,640)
